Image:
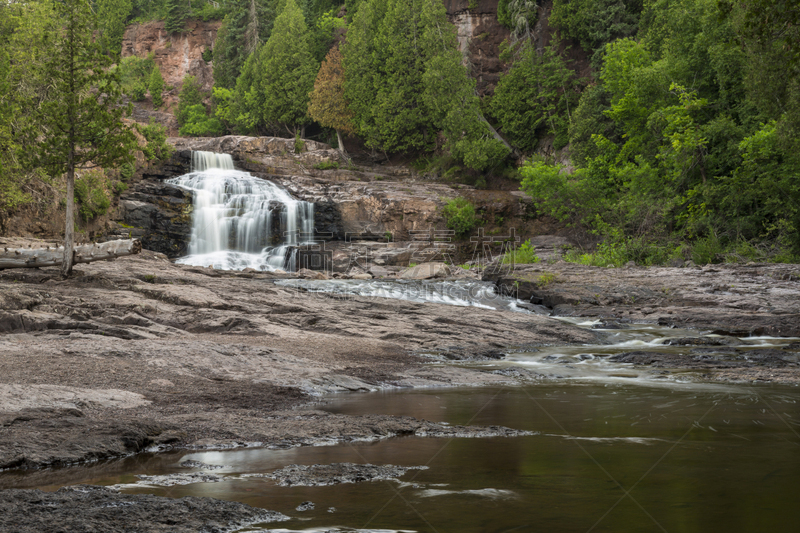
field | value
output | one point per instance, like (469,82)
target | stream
(704,458)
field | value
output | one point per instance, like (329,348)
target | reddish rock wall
(178,54)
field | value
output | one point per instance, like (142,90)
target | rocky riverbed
(143,354)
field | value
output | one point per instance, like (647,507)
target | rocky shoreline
(144,354)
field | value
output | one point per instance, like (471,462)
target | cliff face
(479,36)
(178,54)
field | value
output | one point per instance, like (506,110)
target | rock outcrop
(178,54)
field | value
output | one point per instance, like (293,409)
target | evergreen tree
(535,98)
(156,87)
(362,69)
(83,117)
(189,96)
(327,104)
(284,73)
(405,82)
(247,25)
(177,13)
(112,15)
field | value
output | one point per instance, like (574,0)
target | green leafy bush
(126,171)
(157,147)
(133,71)
(299,145)
(138,92)
(199,124)
(524,254)
(208,55)
(92,195)
(189,97)
(327,165)
(459,215)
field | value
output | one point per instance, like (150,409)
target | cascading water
(241,221)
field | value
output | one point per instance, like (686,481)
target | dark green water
(609,457)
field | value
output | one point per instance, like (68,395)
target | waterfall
(240,221)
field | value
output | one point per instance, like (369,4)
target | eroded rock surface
(86,508)
(336,473)
(738,300)
(212,358)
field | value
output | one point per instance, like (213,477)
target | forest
(681,143)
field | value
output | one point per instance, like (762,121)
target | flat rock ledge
(87,508)
(334,474)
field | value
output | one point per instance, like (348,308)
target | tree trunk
(69,232)
(341,143)
(42,257)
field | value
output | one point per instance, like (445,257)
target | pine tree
(112,15)
(327,104)
(284,73)
(236,38)
(362,68)
(189,96)
(177,12)
(82,119)
(156,87)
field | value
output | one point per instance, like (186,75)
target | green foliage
(112,16)
(405,82)
(523,254)
(273,89)
(299,145)
(156,87)
(535,98)
(135,71)
(327,165)
(595,23)
(91,193)
(157,146)
(177,11)
(189,97)
(197,123)
(139,92)
(208,55)
(246,25)
(517,15)
(459,215)
(126,171)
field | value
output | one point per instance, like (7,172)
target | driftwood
(51,256)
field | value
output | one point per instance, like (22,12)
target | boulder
(305,273)
(426,271)
(363,275)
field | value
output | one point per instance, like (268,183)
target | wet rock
(702,341)
(305,506)
(86,508)
(190,463)
(172,480)
(336,473)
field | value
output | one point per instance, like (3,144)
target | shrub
(327,165)
(91,195)
(199,124)
(208,55)
(299,144)
(459,215)
(138,92)
(524,254)
(189,97)
(126,171)
(156,147)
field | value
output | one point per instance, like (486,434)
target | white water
(240,221)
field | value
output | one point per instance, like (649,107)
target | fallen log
(52,256)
